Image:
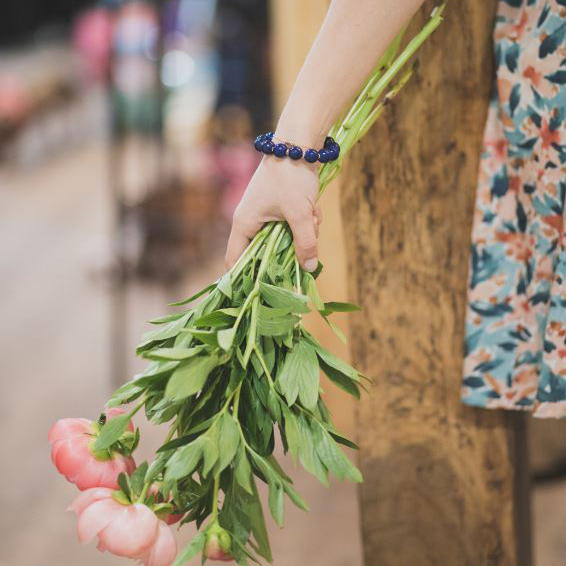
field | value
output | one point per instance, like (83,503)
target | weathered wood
(441,482)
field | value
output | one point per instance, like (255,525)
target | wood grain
(441,483)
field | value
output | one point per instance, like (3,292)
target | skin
(353,36)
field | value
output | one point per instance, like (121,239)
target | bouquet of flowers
(226,371)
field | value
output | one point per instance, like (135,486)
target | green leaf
(307,453)
(292,433)
(277,467)
(257,523)
(333,458)
(334,306)
(276,502)
(184,461)
(172,354)
(124,485)
(225,338)
(156,468)
(192,549)
(295,497)
(336,330)
(125,394)
(343,440)
(229,440)
(207,337)
(343,381)
(312,292)
(300,375)
(278,297)
(210,448)
(195,296)
(217,318)
(331,360)
(275,322)
(225,285)
(275,498)
(243,471)
(190,377)
(138,477)
(167,318)
(112,431)
(168,331)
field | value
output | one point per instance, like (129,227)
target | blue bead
(328,141)
(334,152)
(295,152)
(267,147)
(268,135)
(311,155)
(280,150)
(258,142)
(324,155)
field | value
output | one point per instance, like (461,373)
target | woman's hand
(281,189)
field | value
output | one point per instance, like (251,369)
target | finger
(318,214)
(304,235)
(240,236)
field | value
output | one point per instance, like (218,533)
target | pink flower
(132,531)
(72,453)
(218,543)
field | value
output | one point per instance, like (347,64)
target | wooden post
(445,484)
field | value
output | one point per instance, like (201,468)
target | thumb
(304,236)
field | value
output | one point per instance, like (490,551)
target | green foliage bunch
(237,364)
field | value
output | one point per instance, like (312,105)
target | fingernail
(311,264)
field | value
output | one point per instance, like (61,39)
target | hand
(281,189)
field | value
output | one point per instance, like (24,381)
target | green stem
(137,408)
(237,401)
(263,365)
(298,276)
(171,432)
(215,497)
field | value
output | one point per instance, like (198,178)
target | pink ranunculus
(132,531)
(72,453)
(218,543)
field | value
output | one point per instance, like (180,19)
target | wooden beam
(445,484)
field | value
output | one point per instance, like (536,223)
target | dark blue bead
(267,147)
(295,152)
(311,155)
(258,141)
(328,141)
(280,150)
(324,155)
(268,135)
(334,152)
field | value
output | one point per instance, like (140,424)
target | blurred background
(125,145)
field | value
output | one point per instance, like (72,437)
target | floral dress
(515,352)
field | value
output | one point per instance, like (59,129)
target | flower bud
(218,544)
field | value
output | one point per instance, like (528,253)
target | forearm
(354,34)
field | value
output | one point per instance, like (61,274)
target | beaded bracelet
(267,144)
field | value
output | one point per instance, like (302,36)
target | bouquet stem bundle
(238,364)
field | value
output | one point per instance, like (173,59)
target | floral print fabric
(516,311)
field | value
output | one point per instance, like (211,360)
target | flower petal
(97,516)
(132,533)
(71,455)
(87,498)
(66,428)
(163,551)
